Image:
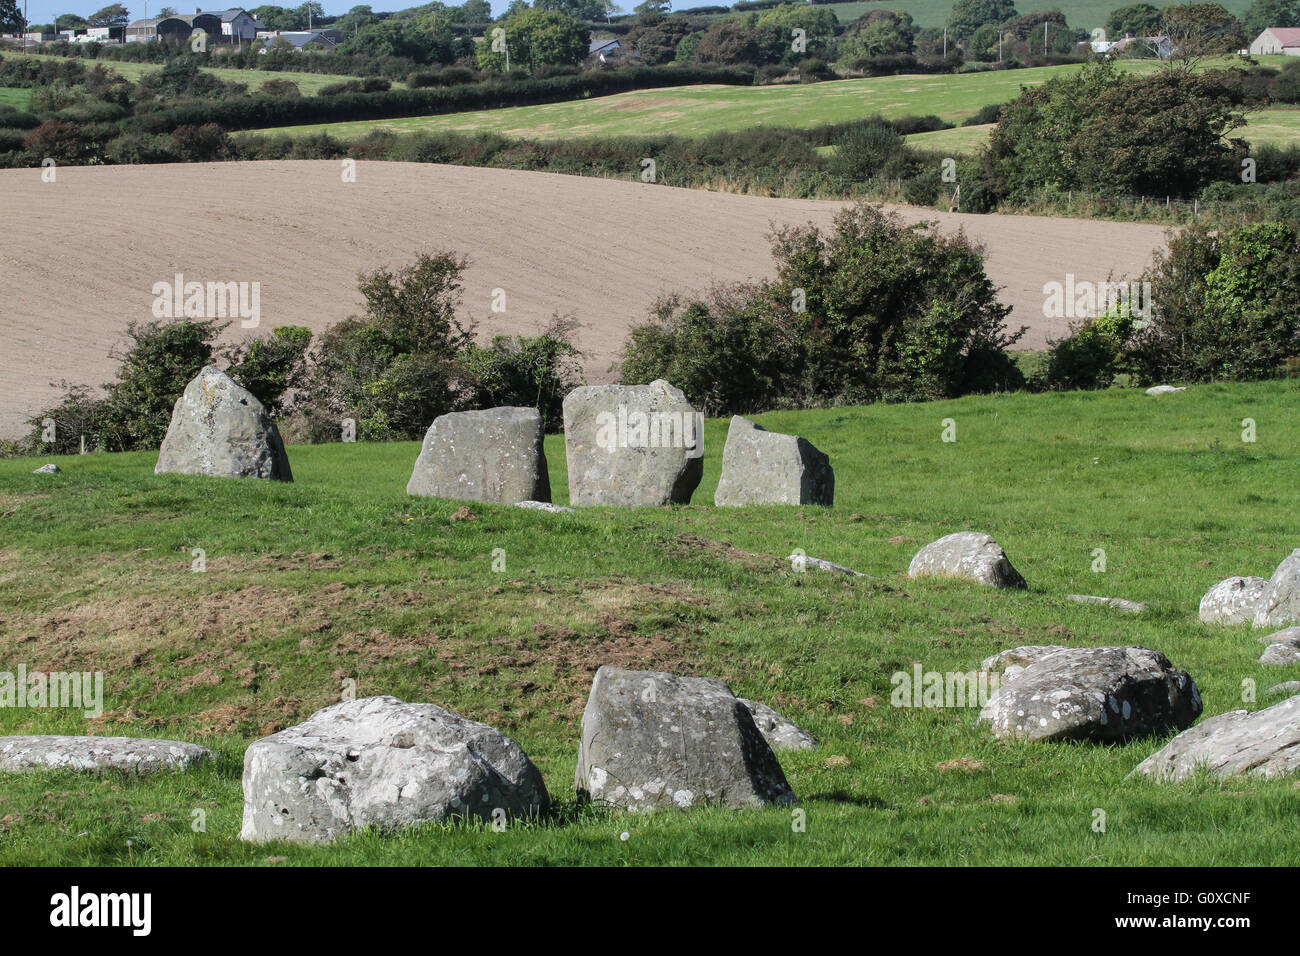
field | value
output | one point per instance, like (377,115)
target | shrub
(1092,354)
(532,371)
(865,150)
(271,367)
(874,310)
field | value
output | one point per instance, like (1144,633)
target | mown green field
(309,84)
(700,110)
(15,97)
(341,575)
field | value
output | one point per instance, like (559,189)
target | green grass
(341,575)
(699,110)
(309,84)
(15,97)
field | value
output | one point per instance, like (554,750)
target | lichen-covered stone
(1280,603)
(1104,694)
(219,428)
(966,554)
(760,467)
(380,762)
(493,455)
(1265,743)
(630,445)
(97,754)
(1232,600)
(652,740)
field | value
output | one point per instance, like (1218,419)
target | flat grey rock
(1165,389)
(1280,603)
(1232,600)
(97,754)
(1103,694)
(1119,604)
(652,740)
(50,469)
(1265,743)
(780,734)
(544,506)
(1281,652)
(221,429)
(818,564)
(494,455)
(631,445)
(966,554)
(383,763)
(1286,634)
(760,467)
(1289,688)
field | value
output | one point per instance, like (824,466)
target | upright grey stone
(631,445)
(1104,694)
(966,554)
(97,754)
(1280,603)
(380,762)
(1265,743)
(760,467)
(219,428)
(652,740)
(1232,600)
(494,455)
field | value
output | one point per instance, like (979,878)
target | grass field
(699,110)
(341,575)
(12,96)
(309,84)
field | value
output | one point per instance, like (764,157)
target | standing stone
(966,554)
(632,445)
(380,762)
(1232,600)
(1280,603)
(1240,743)
(494,455)
(98,754)
(219,428)
(1104,694)
(760,467)
(653,740)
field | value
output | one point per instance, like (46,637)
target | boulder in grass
(802,562)
(219,428)
(1102,694)
(98,754)
(544,506)
(1265,743)
(1280,603)
(1289,688)
(780,734)
(1165,389)
(966,554)
(652,740)
(1009,663)
(493,455)
(1119,604)
(50,469)
(760,467)
(1232,601)
(1281,652)
(630,445)
(382,763)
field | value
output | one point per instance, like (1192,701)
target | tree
(969,15)
(738,42)
(646,7)
(1262,14)
(69,21)
(1137,20)
(472,11)
(533,39)
(878,33)
(11,17)
(1198,30)
(420,40)
(280,18)
(656,38)
(585,10)
(114,15)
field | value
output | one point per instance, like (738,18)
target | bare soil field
(82,255)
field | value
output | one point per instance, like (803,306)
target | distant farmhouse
(1274,40)
(1161,46)
(222,26)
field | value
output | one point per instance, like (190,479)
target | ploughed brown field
(82,255)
